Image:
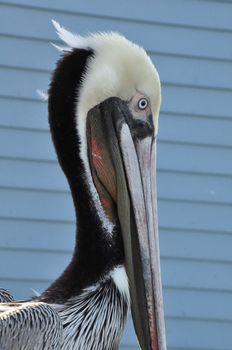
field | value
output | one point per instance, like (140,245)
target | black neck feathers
(94,254)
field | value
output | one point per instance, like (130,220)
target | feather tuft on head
(72,40)
(61,48)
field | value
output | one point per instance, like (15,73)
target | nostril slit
(140,124)
(143,125)
(142,128)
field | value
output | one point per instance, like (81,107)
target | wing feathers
(29,325)
(5,296)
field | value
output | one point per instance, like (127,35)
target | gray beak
(134,161)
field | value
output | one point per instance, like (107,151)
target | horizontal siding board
(43,265)
(213,189)
(37,145)
(182,303)
(36,205)
(185,334)
(34,235)
(176,273)
(32,174)
(192,245)
(193,274)
(33,114)
(49,176)
(196,101)
(194,159)
(199,130)
(193,71)
(59,236)
(15,54)
(187,41)
(162,11)
(176,98)
(22,84)
(16,50)
(54,206)
(198,216)
(172,69)
(30,145)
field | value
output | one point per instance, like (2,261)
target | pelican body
(104,101)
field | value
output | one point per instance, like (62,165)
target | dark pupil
(142,103)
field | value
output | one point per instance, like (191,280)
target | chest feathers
(95,319)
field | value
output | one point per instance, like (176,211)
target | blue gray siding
(191,44)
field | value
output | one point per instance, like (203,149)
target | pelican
(103,101)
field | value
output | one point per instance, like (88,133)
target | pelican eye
(142,103)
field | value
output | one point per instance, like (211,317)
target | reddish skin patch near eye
(106,203)
(96,149)
(99,162)
(96,153)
